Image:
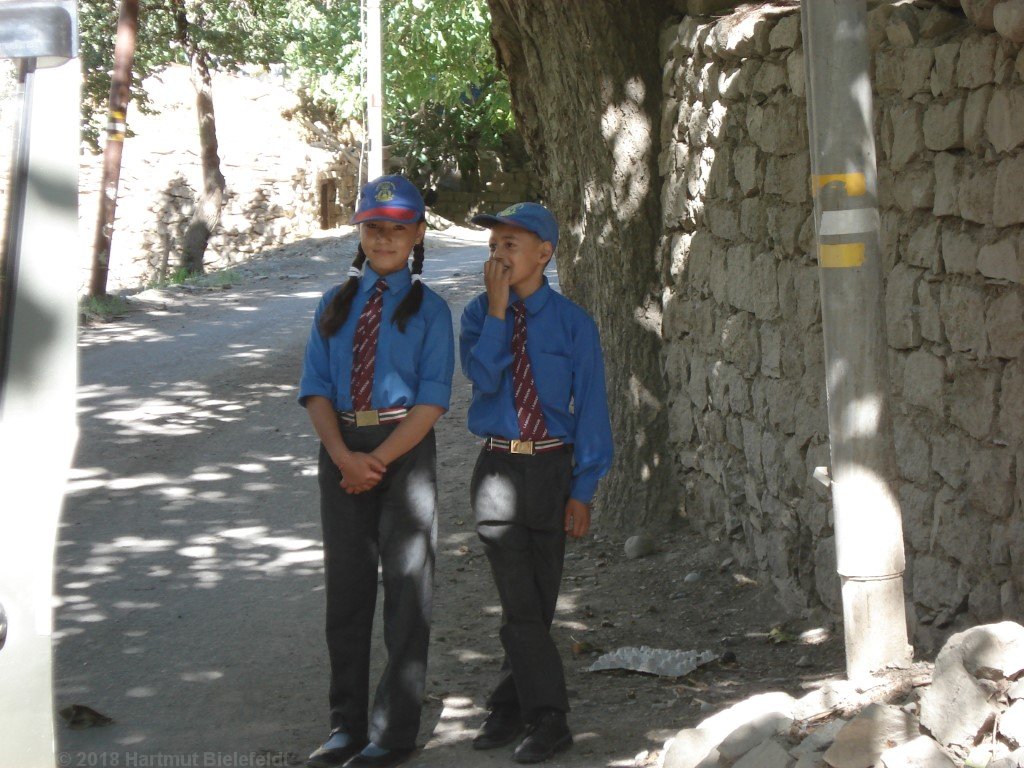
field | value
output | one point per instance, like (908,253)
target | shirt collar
(535,301)
(396,280)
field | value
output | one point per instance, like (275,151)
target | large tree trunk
(586,90)
(120,93)
(208,208)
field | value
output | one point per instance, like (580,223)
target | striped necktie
(364,348)
(524,388)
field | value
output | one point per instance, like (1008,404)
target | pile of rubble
(967,710)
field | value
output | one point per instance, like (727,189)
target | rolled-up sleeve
(437,362)
(483,348)
(593,450)
(316,373)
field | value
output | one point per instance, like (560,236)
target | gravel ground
(189,581)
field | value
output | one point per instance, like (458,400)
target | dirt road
(189,582)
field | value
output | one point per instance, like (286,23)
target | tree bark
(208,208)
(120,93)
(586,91)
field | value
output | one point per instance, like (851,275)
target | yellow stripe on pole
(841,255)
(856,183)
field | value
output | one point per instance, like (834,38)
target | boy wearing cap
(539,402)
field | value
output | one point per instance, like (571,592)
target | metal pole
(374,91)
(11,247)
(868,524)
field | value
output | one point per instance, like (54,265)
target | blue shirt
(568,368)
(411,368)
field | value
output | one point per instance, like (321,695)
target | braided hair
(336,313)
(414,299)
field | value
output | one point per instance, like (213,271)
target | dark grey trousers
(519,503)
(394,524)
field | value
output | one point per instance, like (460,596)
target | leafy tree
(445,100)
(204,35)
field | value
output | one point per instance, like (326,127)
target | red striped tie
(531,419)
(364,348)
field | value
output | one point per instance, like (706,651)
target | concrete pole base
(875,625)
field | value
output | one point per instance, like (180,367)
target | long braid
(336,313)
(414,299)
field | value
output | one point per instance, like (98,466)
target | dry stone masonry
(282,183)
(743,351)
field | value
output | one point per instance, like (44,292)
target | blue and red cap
(533,217)
(390,198)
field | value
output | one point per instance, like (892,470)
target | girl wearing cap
(376,378)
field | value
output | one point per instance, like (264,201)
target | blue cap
(533,217)
(390,198)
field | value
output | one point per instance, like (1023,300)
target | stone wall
(500,189)
(743,350)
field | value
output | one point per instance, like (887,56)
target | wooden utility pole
(120,93)
(868,523)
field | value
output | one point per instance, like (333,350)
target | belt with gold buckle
(373,418)
(523,447)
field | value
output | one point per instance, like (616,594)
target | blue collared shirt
(568,368)
(412,368)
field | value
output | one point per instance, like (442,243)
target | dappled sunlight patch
(577,626)
(260,487)
(626,126)
(92,617)
(131,605)
(133,544)
(92,568)
(206,477)
(457,722)
(468,656)
(63,632)
(175,492)
(202,676)
(112,333)
(251,468)
(197,551)
(303,557)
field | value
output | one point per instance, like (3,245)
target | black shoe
(546,736)
(502,726)
(325,757)
(389,758)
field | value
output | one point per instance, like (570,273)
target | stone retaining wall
(500,190)
(743,350)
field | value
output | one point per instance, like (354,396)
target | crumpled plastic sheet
(653,661)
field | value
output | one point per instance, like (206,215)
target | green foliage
(445,100)
(220,280)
